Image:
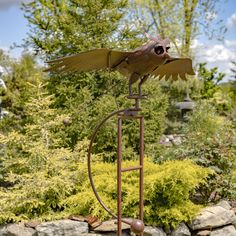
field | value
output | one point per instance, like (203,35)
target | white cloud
(216,55)
(196,44)
(231,21)
(230,43)
(219,52)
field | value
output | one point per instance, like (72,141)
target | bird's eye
(159,50)
(167,48)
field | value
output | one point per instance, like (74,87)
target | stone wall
(217,220)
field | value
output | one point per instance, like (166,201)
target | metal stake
(137,225)
(119,180)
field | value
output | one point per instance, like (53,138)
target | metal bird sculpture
(147,60)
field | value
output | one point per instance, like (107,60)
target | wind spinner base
(137,225)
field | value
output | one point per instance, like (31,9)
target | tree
(36,172)
(209,140)
(233,70)
(19,76)
(180,20)
(210,79)
(5,62)
(69,27)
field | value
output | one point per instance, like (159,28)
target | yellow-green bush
(167,189)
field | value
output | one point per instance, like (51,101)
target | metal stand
(137,225)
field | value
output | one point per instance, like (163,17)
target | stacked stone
(218,220)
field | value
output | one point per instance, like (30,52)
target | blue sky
(13,29)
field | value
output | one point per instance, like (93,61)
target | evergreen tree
(19,77)
(67,27)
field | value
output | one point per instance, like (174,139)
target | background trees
(180,20)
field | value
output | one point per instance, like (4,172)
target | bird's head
(160,46)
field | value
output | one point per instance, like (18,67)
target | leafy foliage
(85,96)
(210,79)
(167,189)
(210,142)
(48,181)
(179,20)
(35,168)
(20,78)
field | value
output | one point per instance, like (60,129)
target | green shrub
(60,187)
(168,192)
(210,142)
(167,189)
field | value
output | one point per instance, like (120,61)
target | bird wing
(86,61)
(173,68)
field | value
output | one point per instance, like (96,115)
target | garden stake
(137,225)
(151,59)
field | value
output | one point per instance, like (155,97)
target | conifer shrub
(62,188)
(167,190)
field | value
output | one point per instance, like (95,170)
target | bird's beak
(166,55)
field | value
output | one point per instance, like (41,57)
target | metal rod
(119,163)
(131,168)
(122,114)
(90,157)
(141,202)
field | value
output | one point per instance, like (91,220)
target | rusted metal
(151,59)
(119,180)
(141,169)
(131,168)
(137,225)
(89,159)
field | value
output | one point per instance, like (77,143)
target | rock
(234,209)
(109,226)
(62,228)
(124,233)
(225,231)
(234,223)
(153,231)
(204,233)
(224,204)
(181,230)
(177,140)
(213,217)
(16,230)
(233,203)
(32,224)
(91,234)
